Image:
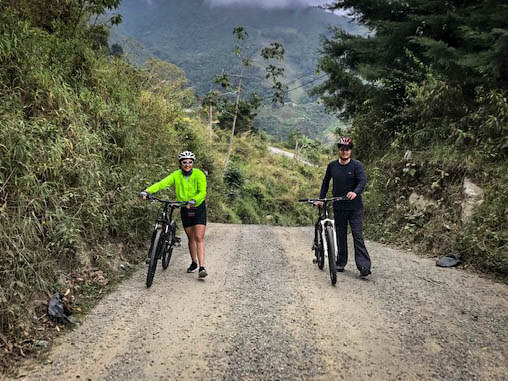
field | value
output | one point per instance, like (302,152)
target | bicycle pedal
(314,261)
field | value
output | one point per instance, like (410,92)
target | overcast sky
(267,3)
(261,3)
(270,4)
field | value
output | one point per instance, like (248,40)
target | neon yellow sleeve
(164,183)
(201,195)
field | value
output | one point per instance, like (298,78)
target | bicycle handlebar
(325,200)
(170,202)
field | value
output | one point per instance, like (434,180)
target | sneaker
(202,272)
(340,268)
(193,267)
(364,272)
(147,261)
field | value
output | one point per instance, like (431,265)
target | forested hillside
(427,94)
(198,38)
(81,133)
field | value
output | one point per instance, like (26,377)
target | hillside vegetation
(427,94)
(81,133)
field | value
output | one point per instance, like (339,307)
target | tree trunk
(80,12)
(230,148)
(210,121)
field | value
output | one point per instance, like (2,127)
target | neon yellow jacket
(187,188)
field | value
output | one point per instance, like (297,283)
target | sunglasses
(187,162)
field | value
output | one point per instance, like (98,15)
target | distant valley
(198,38)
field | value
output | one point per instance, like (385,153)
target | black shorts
(194,216)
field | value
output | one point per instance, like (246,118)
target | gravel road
(291,155)
(266,312)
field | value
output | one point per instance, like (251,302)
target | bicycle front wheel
(330,242)
(154,256)
(167,249)
(318,250)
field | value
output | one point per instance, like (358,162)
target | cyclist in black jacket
(349,180)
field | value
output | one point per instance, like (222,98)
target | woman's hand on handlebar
(318,204)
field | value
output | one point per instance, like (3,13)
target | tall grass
(80,134)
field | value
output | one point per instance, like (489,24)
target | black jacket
(346,178)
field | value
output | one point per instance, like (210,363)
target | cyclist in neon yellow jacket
(190,185)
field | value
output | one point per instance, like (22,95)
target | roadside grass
(81,133)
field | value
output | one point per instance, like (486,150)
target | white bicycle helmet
(186,155)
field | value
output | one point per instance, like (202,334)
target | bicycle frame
(163,222)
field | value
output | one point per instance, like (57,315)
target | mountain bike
(163,237)
(325,239)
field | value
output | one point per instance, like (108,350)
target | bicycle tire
(167,249)
(154,232)
(331,254)
(319,252)
(154,256)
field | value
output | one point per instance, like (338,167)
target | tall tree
(461,44)
(465,41)
(244,108)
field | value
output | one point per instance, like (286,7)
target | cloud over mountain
(266,3)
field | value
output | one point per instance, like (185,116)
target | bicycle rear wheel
(154,256)
(330,242)
(167,249)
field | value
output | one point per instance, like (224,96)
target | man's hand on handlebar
(318,204)
(351,195)
(190,203)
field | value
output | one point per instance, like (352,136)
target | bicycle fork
(322,231)
(336,246)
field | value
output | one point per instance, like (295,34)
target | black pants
(355,219)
